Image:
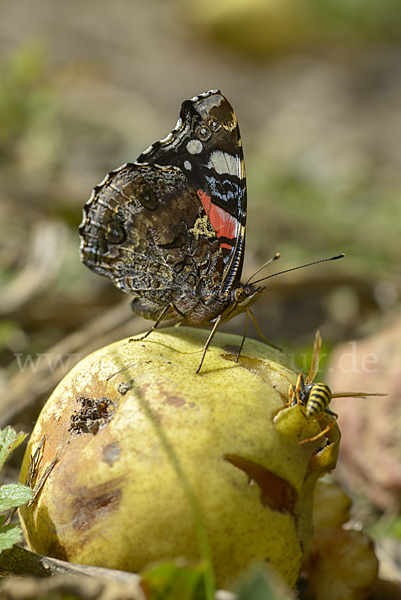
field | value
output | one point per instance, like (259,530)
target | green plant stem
(201,533)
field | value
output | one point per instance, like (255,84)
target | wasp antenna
(275,257)
(315,262)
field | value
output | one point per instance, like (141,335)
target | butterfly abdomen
(319,398)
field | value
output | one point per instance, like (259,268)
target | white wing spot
(222,162)
(187,165)
(194,146)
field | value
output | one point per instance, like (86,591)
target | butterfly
(169,229)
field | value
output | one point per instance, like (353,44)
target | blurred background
(316,86)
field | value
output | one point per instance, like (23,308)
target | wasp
(316,397)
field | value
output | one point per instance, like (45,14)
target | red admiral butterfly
(170,227)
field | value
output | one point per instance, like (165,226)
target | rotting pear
(112,497)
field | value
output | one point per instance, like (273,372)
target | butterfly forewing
(206,146)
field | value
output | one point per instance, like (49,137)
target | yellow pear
(110,494)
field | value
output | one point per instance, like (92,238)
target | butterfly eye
(240,295)
(203,133)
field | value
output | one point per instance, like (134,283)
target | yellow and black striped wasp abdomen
(317,399)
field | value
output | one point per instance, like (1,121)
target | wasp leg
(292,397)
(294,390)
(323,431)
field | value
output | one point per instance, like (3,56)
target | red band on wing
(224,224)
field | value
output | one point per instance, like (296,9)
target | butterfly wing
(140,230)
(169,228)
(206,145)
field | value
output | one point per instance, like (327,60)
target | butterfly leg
(243,337)
(156,324)
(260,334)
(208,341)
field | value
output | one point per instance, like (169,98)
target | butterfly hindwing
(140,231)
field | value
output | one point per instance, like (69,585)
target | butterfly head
(242,297)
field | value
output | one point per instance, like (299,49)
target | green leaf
(9,440)
(168,581)
(262,583)
(14,494)
(9,535)
(386,526)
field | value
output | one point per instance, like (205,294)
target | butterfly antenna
(300,267)
(275,257)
